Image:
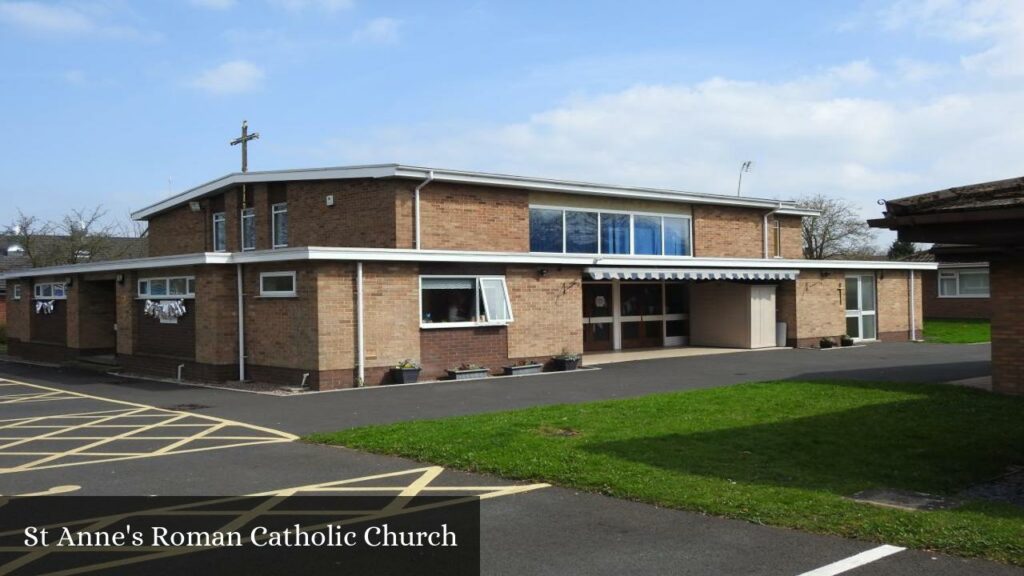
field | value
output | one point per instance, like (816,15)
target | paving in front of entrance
(203,441)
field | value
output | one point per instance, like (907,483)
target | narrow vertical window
(614,233)
(249,229)
(677,236)
(581,232)
(279,224)
(219,229)
(545,230)
(647,235)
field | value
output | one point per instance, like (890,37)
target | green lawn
(779,453)
(957,331)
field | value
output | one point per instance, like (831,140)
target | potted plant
(467,372)
(567,360)
(846,340)
(405,372)
(522,367)
(826,343)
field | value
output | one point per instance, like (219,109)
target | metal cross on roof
(244,141)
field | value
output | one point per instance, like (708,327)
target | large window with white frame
(964,283)
(279,225)
(249,229)
(171,287)
(450,301)
(583,231)
(49,291)
(219,232)
(277,285)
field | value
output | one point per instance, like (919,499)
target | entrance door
(642,314)
(861,315)
(598,321)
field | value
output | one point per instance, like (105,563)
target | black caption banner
(258,535)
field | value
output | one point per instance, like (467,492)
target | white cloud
(234,77)
(324,5)
(858,72)
(214,4)
(910,70)
(66,20)
(378,31)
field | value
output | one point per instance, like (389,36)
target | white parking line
(855,561)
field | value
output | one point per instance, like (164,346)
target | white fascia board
(123,265)
(952,265)
(462,177)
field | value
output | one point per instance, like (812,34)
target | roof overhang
(463,177)
(601,273)
(454,256)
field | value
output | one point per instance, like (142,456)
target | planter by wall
(474,374)
(405,375)
(526,369)
(567,363)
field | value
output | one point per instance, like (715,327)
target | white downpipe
(241,326)
(913,309)
(764,227)
(359,324)
(180,368)
(416,204)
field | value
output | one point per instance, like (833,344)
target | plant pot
(846,342)
(521,370)
(474,374)
(404,375)
(566,364)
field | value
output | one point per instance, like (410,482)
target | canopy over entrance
(599,273)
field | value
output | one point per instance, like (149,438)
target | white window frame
(190,288)
(860,312)
(248,213)
(37,290)
(476,303)
(15,291)
(275,211)
(279,293)
(632,240)
(220,238)
(945,274)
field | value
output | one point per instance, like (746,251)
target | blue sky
(119,103)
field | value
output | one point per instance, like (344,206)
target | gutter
(416,205)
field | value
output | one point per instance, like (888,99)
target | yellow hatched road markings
(420,481)
(92,433)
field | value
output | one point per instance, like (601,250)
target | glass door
(861,309)
(641,314)
(598,321)
(677,313)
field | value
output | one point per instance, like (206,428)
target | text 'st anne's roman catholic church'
(331,276)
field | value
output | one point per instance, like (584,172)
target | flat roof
(421,173)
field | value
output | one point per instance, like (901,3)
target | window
(966,283)
(249,229)
(16,291)
(545,230)
(277,284)
(582,231)
(49,291)
(463,301)
(279,225)
(219,228)
(172,288)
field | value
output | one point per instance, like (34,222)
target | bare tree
(82,235)
(839,232)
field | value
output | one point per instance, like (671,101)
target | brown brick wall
(3,311)
(178,231)
(547,311)
(18,312)
(126,317)
(792,237)
(935,307)
(49,328)
(281,332)
(727,232)
(460,217)
(391,314)
(445,348)
(153,338)
(93,328)
(894,305)
(335,320)
(1006,282)
(216,313)
(363,215)
(820,310)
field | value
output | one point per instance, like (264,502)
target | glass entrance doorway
(861,312)
(627,315)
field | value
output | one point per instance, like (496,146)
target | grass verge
(957,331)
(778,453)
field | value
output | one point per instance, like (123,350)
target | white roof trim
(463,177)
(689,274)
(405,255)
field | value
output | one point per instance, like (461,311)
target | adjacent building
(328,277)
(956,290)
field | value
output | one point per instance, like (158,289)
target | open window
(452,301)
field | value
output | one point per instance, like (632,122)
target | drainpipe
(241,327)
(913,310)
(764,226)
(361,352)
(416,204)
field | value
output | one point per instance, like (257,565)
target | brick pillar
(74,304)
(216,310)
(1007,278)
(126,319)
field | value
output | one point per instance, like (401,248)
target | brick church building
(331,276)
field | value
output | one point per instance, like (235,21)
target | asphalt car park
(67,432)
